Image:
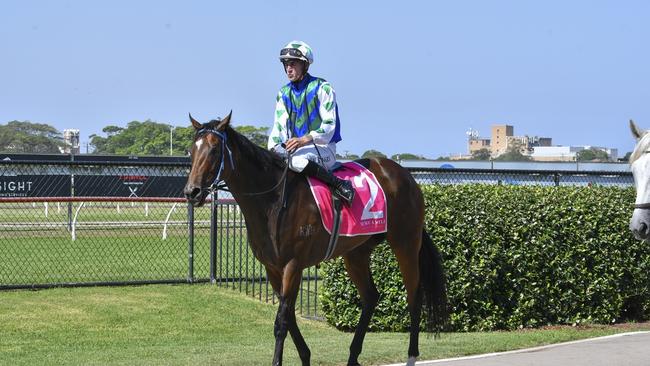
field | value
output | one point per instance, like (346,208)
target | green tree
(406,156)
(142,138)
(514,153)
(153,138)
(182,140)
(481,154)
(513,156)
(258,135)
(373,154)
(348,156)
(97,143)
(28,137)
(591,154)
(111,130)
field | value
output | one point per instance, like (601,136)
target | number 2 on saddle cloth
(365,216)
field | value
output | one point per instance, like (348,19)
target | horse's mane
(641,147)
(264,159)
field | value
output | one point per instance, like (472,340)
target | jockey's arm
(279,130)
(297,142)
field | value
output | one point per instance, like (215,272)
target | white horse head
(640,165)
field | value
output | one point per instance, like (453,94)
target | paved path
(627,349)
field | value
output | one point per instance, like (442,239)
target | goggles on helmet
(292,52)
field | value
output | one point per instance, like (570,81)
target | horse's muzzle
(195,195)
(640,231)
(640,224)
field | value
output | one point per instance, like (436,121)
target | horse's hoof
(411,361)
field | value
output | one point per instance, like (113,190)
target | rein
(282,179)
(218,184)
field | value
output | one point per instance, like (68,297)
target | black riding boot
(342,188)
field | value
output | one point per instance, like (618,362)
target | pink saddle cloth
(366,215)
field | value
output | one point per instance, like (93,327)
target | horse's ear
(195,123)
(636,131)
(224,122)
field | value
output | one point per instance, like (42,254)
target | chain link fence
(522,177)
(106,222)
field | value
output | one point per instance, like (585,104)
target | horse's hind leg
(287,286)
(357,263)
(407,253)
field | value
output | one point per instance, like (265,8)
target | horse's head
(640,165)
(209,153)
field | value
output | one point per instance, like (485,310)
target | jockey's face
(295,69)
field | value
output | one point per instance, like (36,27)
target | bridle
(642,206)
(646,205)
(218,184)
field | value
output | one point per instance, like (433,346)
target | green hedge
(516,257)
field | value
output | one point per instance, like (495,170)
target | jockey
(307,121)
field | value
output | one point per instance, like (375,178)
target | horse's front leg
(298,340)
(280,331)
(286,318)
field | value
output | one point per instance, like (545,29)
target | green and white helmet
(297,50)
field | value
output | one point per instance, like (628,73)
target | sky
(409,76)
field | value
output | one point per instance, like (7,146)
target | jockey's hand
(297,142)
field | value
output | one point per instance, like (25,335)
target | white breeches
(325,156)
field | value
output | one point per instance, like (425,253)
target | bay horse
(640,166)
(288,239)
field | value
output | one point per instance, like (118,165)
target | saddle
(365,216)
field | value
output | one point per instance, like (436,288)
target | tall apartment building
(503,137)
(500,135)
(71,140)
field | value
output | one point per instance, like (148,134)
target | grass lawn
(206,325)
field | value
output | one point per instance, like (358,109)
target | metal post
(72,194)
(213,238)
(308,290)
(247,255)
(171,144)
(556,179)
(232,232)
(222,274)
(241,248)
(316,293)
(69,216)
(190,249)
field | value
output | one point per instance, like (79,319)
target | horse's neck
(248,184)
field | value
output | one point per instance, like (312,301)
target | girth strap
(334,236)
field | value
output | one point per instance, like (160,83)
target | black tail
(432,280)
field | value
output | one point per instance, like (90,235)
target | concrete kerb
(524,350)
